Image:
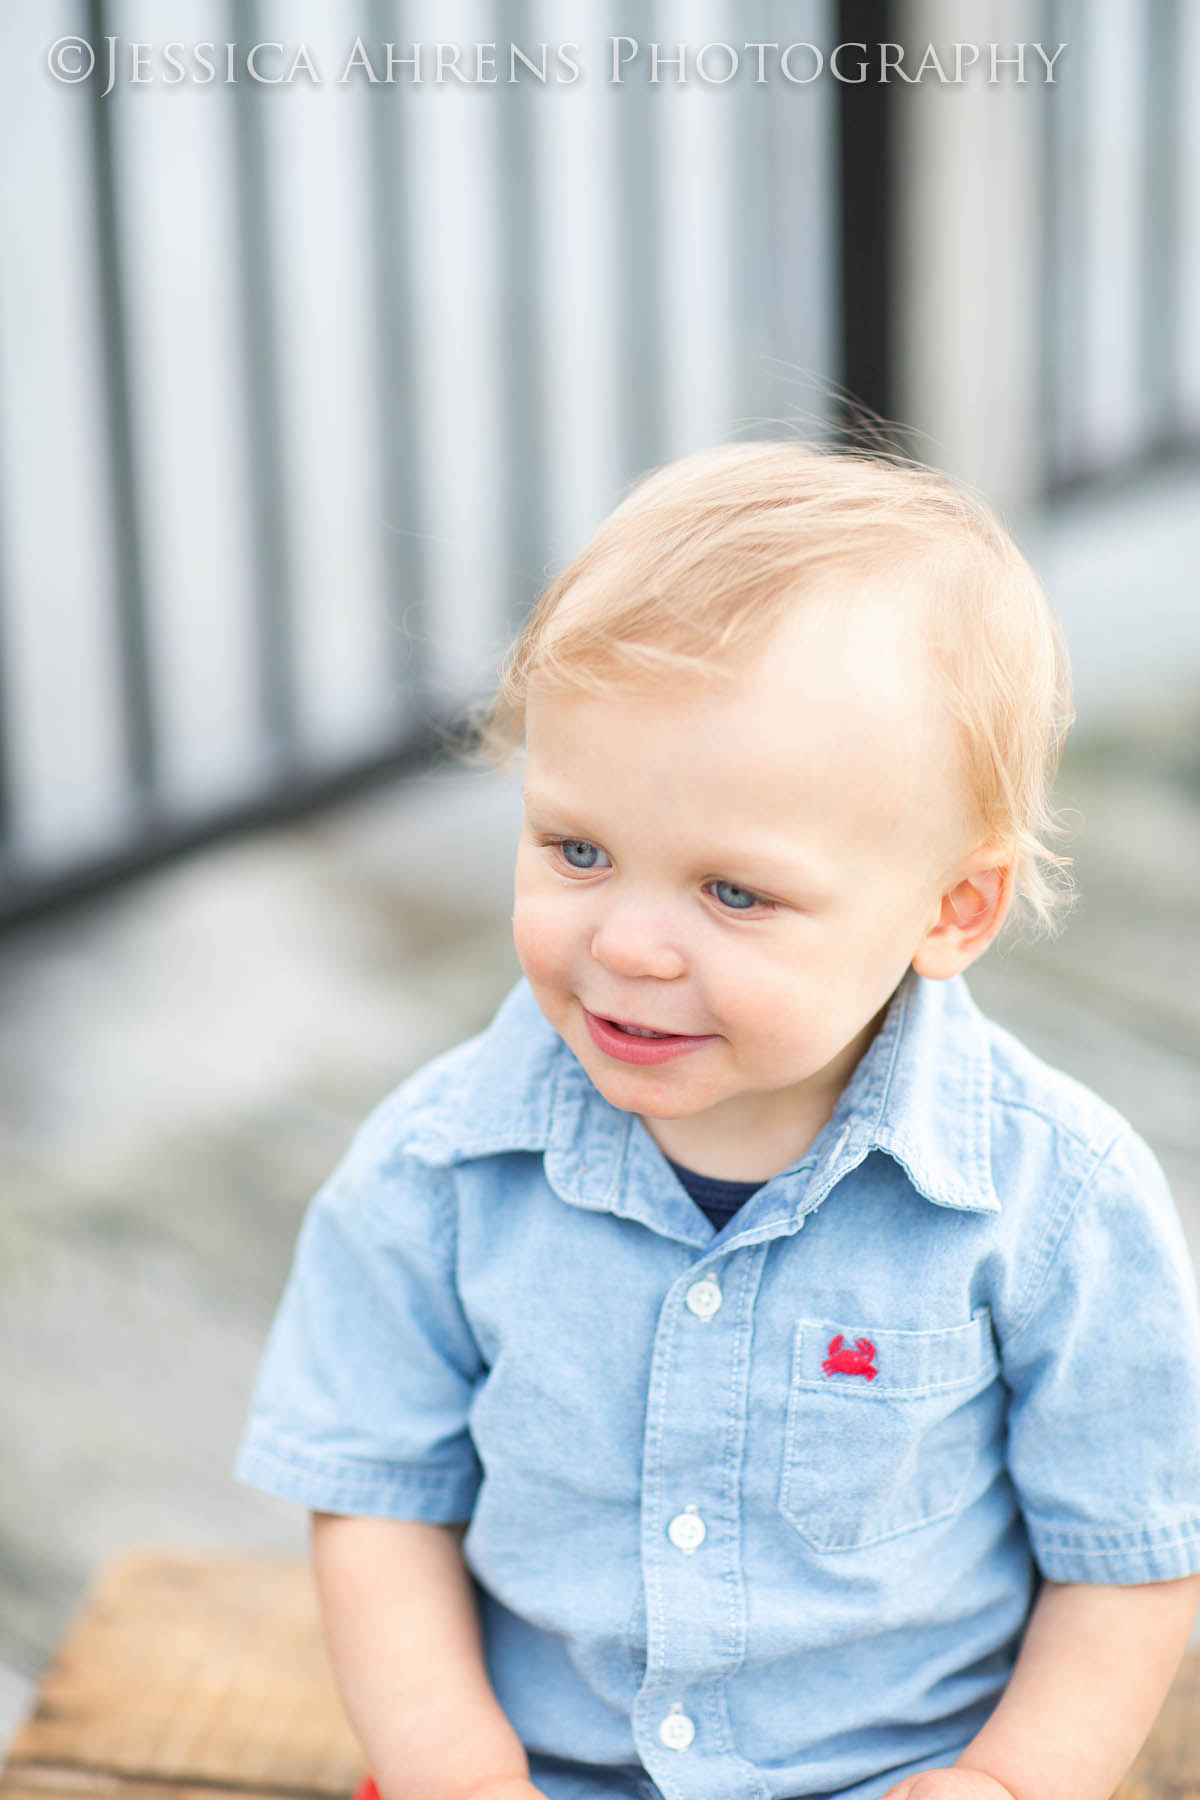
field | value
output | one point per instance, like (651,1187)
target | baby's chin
(664,1110)
(648,1104)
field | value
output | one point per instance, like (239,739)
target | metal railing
(307,384)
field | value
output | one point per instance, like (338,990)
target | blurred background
(307,384)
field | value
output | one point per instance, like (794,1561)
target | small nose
(633,940)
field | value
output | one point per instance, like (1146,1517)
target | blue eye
(736,899)
(580,854)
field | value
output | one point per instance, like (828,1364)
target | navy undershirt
(718,1200)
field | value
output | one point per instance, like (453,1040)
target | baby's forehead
(871,641)
(818,716)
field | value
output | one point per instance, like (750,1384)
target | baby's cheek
(535,940)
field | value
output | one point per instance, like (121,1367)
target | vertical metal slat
(400,448)
(141,725)
(274,630)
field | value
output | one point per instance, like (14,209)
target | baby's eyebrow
(544,813)
(536,799)
(771,869)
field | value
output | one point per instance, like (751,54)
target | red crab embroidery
(859,1361)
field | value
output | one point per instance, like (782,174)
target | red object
(859,1361)
(366,1790)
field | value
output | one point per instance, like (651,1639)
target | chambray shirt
(758,1512)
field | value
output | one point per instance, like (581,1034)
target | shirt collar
(920,1094)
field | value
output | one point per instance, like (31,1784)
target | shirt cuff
(356,1485)
(1119,1558)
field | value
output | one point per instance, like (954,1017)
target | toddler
(743,1372)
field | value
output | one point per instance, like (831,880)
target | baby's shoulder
(1049,1130)
(1038,1095)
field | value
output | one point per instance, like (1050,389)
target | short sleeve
(1104,1422)
(362,1396)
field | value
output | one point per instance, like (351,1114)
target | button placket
(694,1604)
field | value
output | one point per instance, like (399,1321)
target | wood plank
(1169,1766)
(191,1669)
(37,1783)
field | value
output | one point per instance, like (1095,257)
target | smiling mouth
(642,1031)
(630,1043)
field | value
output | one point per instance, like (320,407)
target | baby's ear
(971,913)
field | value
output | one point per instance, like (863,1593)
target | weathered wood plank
(38,1783)
(189,1670)
(1169,1766)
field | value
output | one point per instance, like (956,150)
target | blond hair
(692,572)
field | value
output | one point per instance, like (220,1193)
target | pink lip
(614,1042)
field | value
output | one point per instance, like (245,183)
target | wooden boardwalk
(182,1063)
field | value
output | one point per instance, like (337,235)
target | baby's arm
(1093,1671)
(403,1634)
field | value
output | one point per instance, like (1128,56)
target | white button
(677,1730)
(703,1298)
(687,1530)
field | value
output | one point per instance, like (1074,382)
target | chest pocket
(886,1430)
